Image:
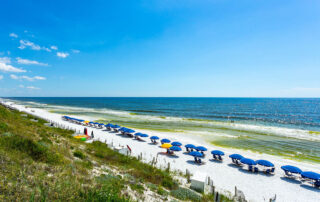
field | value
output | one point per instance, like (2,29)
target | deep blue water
(302,113)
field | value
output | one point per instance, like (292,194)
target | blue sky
(217,48)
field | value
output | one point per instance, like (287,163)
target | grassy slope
(42,163)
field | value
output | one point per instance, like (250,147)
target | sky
(160,48)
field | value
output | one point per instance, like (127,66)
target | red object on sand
(129,148)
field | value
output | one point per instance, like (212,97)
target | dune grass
(40,163)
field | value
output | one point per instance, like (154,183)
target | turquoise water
(286,127)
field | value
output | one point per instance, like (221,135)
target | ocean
(286,127)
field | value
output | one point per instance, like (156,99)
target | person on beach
(85,131)
(92,136)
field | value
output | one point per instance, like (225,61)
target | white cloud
(39,78)
(13,35)
(54,47)
(1,77)
(29,62)
(5,60)
(62,55)
(75,51)
(33,88)
(15,77)
(6,67)
(46,49)
(25,43)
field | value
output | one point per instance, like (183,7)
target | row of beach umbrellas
(198,151)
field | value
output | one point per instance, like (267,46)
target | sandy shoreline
(256,187)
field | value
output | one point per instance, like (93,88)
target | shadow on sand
(246,171)
(215,161)
(233,165)
(290,180)
(192,162)
(309,187)
(169,156)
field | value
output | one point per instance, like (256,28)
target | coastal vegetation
(42,163)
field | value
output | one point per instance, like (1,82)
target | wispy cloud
(29,87)
(62,54)
(54,47)
(5,66)
(1,77)
(15,77)
(29,62)
(13,35)
(25,43)
(32,88)
(75,51)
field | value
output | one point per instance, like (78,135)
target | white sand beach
(255,186)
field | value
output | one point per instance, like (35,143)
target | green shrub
(185,194)
(3,127)
(79,154)
(37,151)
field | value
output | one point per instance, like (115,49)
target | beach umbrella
(86,121)
(310,175)
(166,145)
(201,148)
(176,144)
(217,152)
(190,146)
(123,129)
(236,156)
(175,148)
(100,124)
(129,131)
(196,154)
(291,169)
(91,122)
(165,141)
(264,163)
(154,138)
(108,125)
(248,161)
(137,134)
(144,135)
(116,126)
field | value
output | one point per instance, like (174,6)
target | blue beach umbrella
(154,138)
(165,141)
(137,134)
(175,148)
(144,135)
(291,169)
(201,148)
(217,152)
(116,126)
(248,161)
(123,129)
(101,124)
(196,154)
(190,146)
(176,144)
(129,131)
(264,163)
(310,175)
(107,125)
(236,156)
